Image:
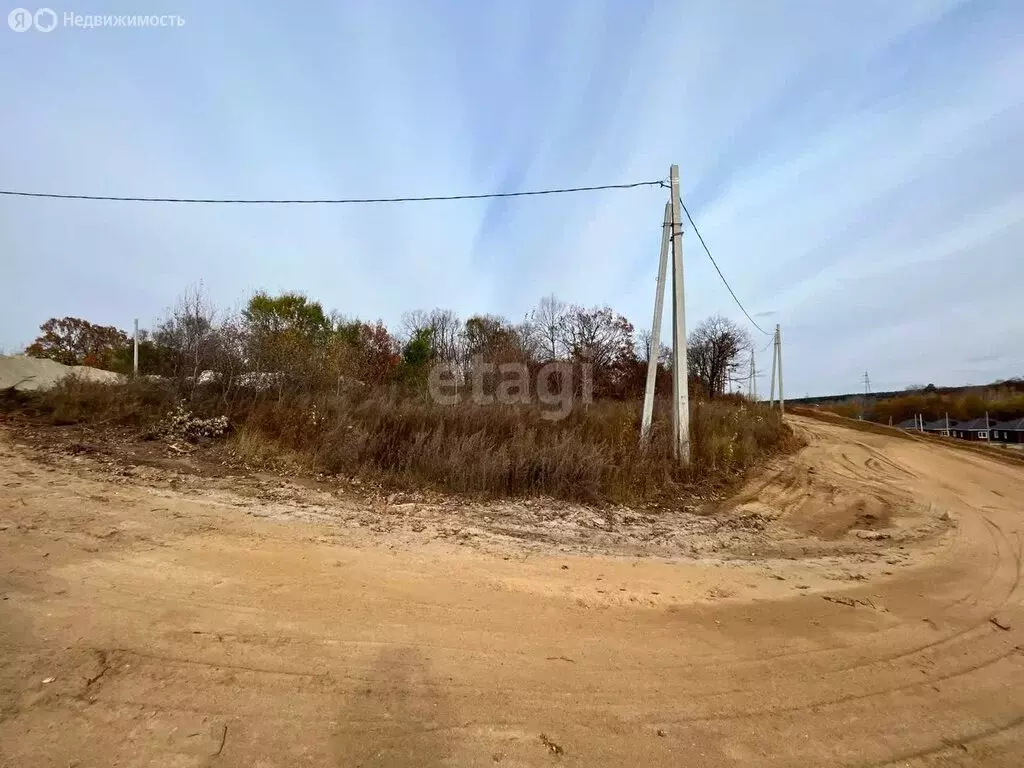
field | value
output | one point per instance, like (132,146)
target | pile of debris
(182,424)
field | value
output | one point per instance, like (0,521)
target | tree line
(291,334)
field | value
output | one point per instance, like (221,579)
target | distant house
(975,429)
(909,424)
(1009,431)
(941,427)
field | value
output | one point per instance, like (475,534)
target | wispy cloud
(855,168)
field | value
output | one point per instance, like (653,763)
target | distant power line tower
(864,400)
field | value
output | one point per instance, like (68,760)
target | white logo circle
(45,19)
(20,20)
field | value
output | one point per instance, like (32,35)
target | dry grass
(592,455)
(409,441)
(79,401)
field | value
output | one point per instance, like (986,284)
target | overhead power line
(708,252)
(330,201)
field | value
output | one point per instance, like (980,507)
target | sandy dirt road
(140,626)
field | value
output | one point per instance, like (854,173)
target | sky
(854,167)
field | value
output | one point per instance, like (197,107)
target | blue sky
(855,167)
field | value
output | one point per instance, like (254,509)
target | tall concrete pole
(659,306)
(135,365)
(775,363)
(753,377)
(680,368)
(782,398)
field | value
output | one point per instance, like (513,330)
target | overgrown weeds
(79,401)
(592,455)
(406,440)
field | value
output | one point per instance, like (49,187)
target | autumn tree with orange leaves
(73,341)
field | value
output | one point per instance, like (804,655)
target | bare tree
(716,351)
(446,330)
(189,332)
(598,335)
(414,321)
(492,337)
(643,349)
(546,324)
(605,340)
(226,351)
(528,340)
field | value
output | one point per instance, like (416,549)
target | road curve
(140,627)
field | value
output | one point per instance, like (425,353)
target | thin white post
(775,363)
(782,399)
(680,369)
(135,366)
(659,306)
(753,377)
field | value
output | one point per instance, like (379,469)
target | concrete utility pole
(135,366)
(778,344)
(775,364)
(659,305)
(754,364)
(753,377)
(680,368)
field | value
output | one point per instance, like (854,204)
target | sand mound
(31,373)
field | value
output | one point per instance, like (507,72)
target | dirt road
(879,623)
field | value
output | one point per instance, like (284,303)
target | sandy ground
(858,604)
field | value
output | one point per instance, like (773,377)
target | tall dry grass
(80,401)
(406,440)
(592,455)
